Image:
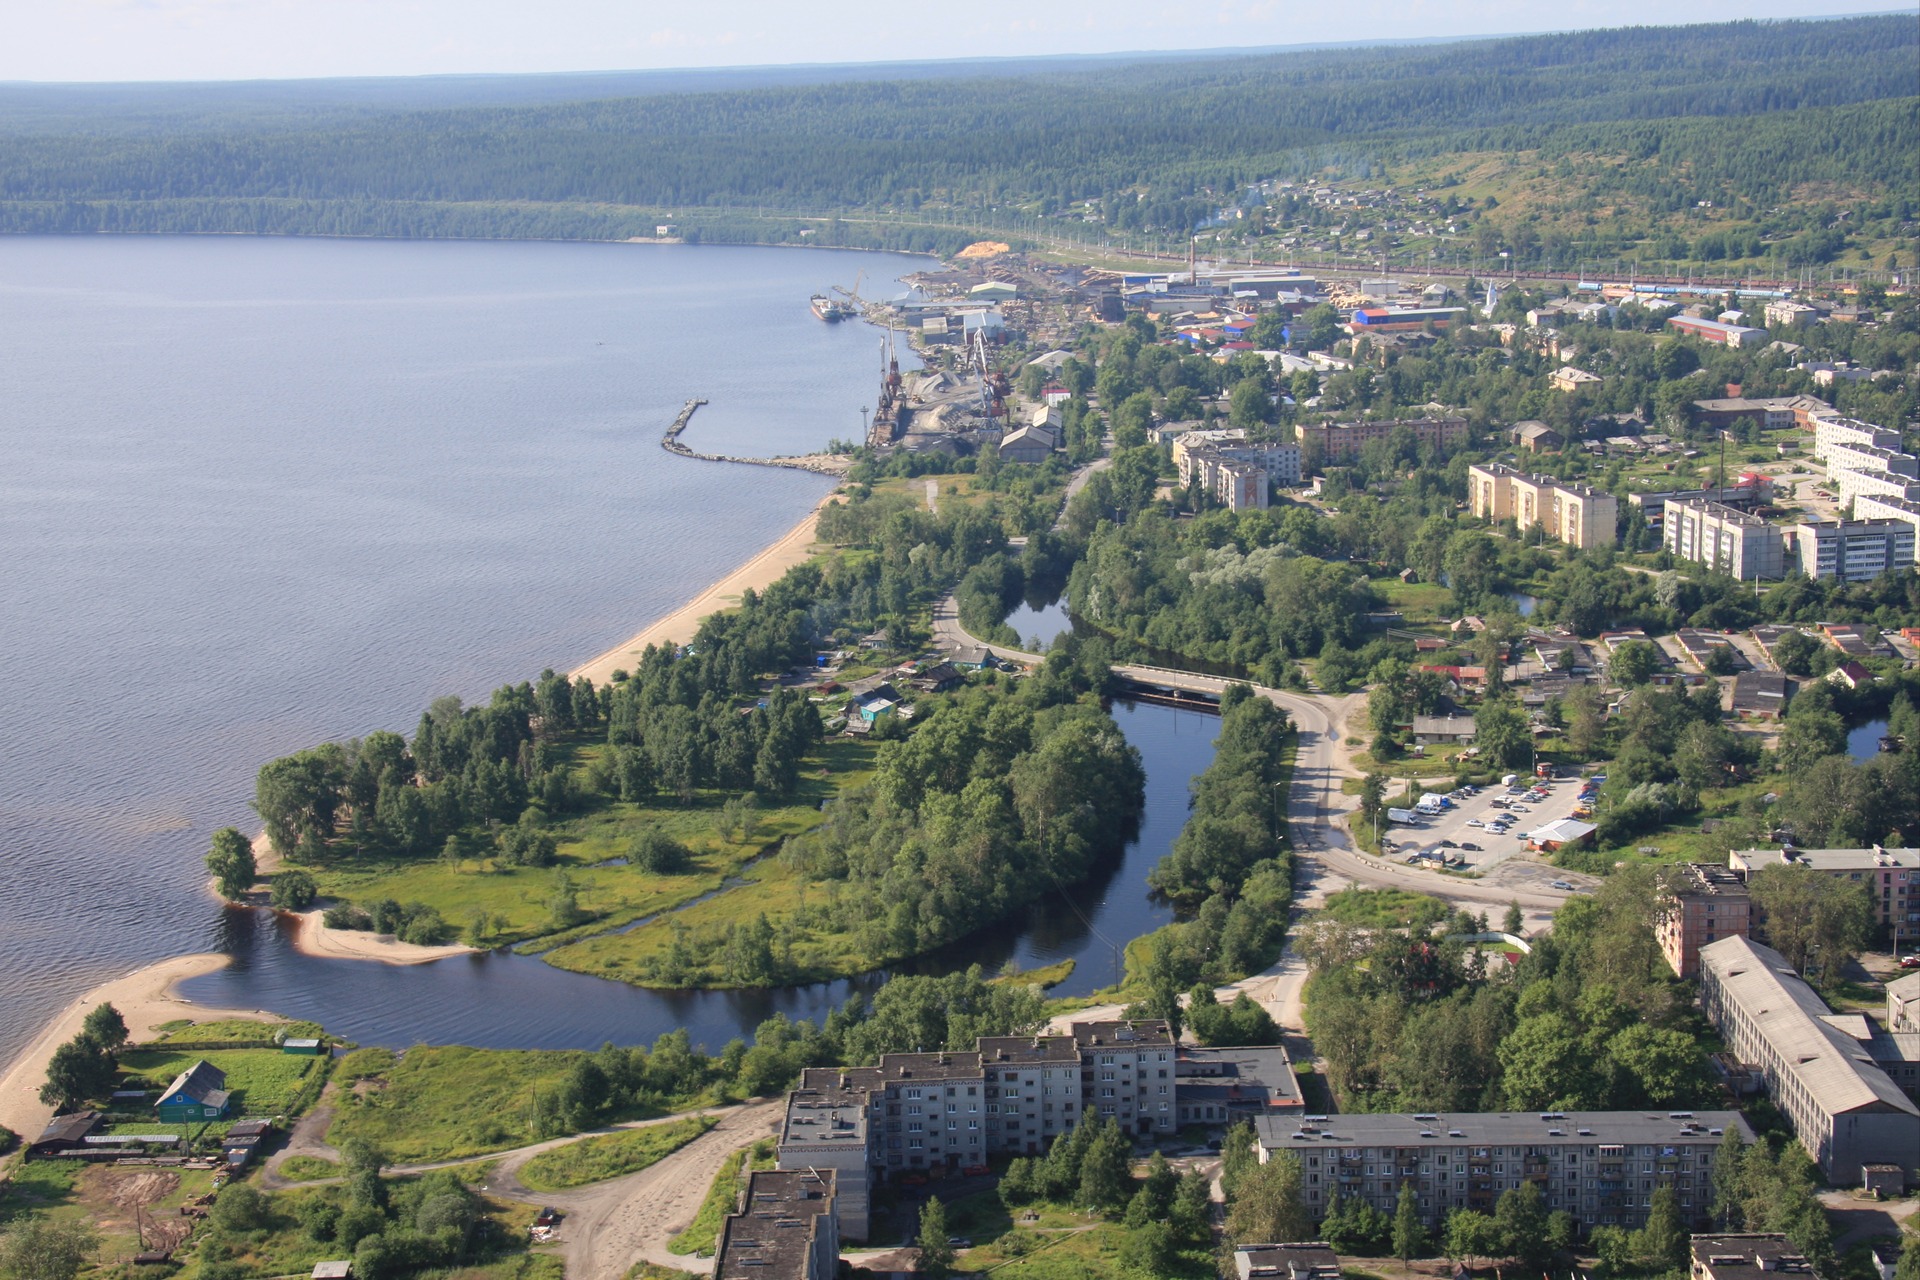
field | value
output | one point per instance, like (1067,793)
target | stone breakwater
(831,464)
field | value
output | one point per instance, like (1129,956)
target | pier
(829,464)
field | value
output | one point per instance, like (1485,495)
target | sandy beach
(145,998)
(678,627)
(315,939)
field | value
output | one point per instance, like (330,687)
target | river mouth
(500,1000)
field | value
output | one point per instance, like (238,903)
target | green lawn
(610,1155)
(703,1233)
(515,898)
(448,1102)
(308,1169)
(263,1081)
(186,1031)
(1385,908)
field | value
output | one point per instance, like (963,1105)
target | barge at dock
(830,309)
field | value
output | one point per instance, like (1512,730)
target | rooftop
(1568,1128)
(1287,1261)
(771,1237)
(1828,1064)
(1139,1032)
(1745,1257)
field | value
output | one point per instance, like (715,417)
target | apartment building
(1829,432)
(1844,1108)
(920,1111)
(786,1229)
(1724,539)
(1852,550)
(1703,903)
(1868,506)
(1892,878)
(1575,514)
(1751,490)
(1852,485)
(1342,441)
(1851,455)
(1601,1166)
(1280,459)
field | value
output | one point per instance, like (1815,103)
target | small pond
(1863,743)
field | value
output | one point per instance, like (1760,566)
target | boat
(829,309)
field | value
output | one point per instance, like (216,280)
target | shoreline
(766,567)
(314,938)
(145,997)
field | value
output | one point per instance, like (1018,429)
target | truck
(1402,815)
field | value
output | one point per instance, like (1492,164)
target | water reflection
(507,1001)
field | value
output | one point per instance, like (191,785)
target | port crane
(852,295)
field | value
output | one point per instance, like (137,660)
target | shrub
(294,891)
(658,853)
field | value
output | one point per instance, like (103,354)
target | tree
(1103,1170)
(1633,663)
(231,862)
(1809,736)
(1794,652)
(39,1249)
(1545,1065)
(1515,919)
(1472,1234)
(78,1070)
(1500,731)
(1522,1220)
(1814,920)
(1662,1243)
(1409,1232)
(936,1255)
(106,1028)
(1909,1266)
(294,890)
(1586,716)
(1267,1206)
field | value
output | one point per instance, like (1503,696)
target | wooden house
(198,1093)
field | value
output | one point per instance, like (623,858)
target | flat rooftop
(1501,1128)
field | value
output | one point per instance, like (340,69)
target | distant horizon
(81,43)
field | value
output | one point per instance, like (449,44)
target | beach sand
(315,939)
(144,998)
(680,626)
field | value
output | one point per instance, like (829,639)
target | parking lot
(1472,826)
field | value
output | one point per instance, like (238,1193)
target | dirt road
(612,1225)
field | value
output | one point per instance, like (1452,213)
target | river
(261,493)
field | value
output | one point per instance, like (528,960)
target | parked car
(1475,822)
(1469,846)
(959,1242)
(1910,962)
(1563,885)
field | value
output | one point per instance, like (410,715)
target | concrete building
(1601,1166)
(1853,550)
(1717,331)
(1328,442)
(1703,903)
(1571,513)
(1852,485)
(1750,491)
(786,1229)
(1903,1005)
(1745,1257)
(1730,411)
(1569,379)
(1843,1107)
(1758,695)
(1127,1074)
(1881,507)
(1218,1086)
(1852,455)
(1026,444)
(825,1128)
(1891,876)
(1536,437)
(1786,311)
(1313,1261)
(1235,471)
(1431,731)
(1724,539)
(1829,432)
(1239,486)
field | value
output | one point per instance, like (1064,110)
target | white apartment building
(1852,455)
(1853,550)
(1828,432)
(1575,514)
(1854,485)
(1281,461)
(1724,539)
(1876,507)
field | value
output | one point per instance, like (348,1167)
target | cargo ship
(830,309)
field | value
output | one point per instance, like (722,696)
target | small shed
(1883,1179)
(198,1093)
(342,1270)
(65,1133)
(306,1047)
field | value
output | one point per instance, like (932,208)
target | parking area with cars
(1484,827)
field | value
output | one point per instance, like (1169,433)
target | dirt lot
(118,1199)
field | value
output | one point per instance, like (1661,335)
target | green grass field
(610,1155)
(1385,908)
(264,1081)
(449,1102)
(308,1169)
(703,1233)
(186,1031)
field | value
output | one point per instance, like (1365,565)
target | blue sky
(271,39)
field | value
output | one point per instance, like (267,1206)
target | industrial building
(1745,1256)
(1702,904)
(1601,1166)
(1724,539)
(1575,514)
(1401,319)
(1846,1111)
(1718,331)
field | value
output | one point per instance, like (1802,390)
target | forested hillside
(1737,112)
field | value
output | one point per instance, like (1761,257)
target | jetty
(830,464)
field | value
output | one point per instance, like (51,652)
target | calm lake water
(518,1002)
(258,494)
(255,494)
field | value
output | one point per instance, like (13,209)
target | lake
(260,493)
